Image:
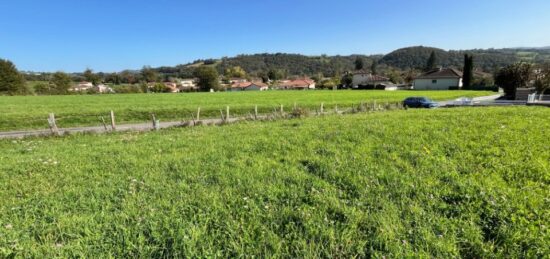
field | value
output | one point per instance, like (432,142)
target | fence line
(188,118)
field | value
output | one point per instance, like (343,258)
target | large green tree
(11,81)
(148,74)
(61,82)
(468,74)
(208,78)
(512,77)
(542,82)
(431,63)
(347,79)
(276,74)
(235,72)
(90,76)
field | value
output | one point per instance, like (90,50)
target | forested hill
(404,59)
(290,64)
(295,64)
(488,60)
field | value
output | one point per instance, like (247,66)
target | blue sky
(72,35)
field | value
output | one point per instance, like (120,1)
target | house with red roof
(249,86)
(296,84)
(439,79)
(363,78)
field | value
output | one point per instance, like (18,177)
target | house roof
(441,73)
(298,83)
(248,84)
(371,77)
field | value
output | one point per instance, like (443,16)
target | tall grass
(471,182)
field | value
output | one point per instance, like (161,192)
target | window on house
(434,81)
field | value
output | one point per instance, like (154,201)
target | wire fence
(110,119)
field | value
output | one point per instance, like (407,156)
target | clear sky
(112,35)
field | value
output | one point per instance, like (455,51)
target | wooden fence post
(193,118)
(113,125)
(256,112)
(322,108)
(53,125)
(155,122)
(282,110)
(104,123)
(226,112)
(199,114)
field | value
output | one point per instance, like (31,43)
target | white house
(101,88)
(297,84)
(362,78)
(249,86)
(188,83)
(439,79)
(82,86)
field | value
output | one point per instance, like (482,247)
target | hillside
(405,58)
(295,64)
(415,57)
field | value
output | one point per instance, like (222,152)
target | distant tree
(113,78)
(431,63)
(468,74)
(373,67)
(128,77)
(359,63)
(91,77)
(410,75)
(208,78)
(395,77)
(148,74)
(235,72)
(347,79)
(11,81)
(44,88)
(512,77)
(210,62)
(329,83)
(542,82)
(159,88)
(276,74)
(60,82)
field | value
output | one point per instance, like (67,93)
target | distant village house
(249,86)
(363,79)
(82,87)
(439,79)
(297,84)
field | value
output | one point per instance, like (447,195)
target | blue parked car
(419,102)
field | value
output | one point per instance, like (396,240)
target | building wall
(439,84)
(252,88)
(360,79)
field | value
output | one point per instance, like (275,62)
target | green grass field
(444,183)
(31,112)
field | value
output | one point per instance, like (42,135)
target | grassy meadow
(31,112)
(444,183)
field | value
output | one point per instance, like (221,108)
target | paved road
(476,100)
